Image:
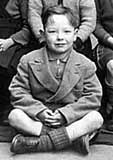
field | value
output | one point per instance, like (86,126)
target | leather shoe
(21,144)
(109,125)
(82,144)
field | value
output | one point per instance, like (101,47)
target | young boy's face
(59,34)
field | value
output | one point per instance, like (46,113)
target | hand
(110,40)
(109,73)
(110,65)
(5,44)
(56,120)
(46,114)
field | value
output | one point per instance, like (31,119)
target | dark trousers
(86,49)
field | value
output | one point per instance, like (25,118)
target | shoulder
(84,62)
(32,56)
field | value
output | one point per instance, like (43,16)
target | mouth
(60,44)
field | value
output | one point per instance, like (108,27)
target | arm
(34,17)
(87,19)
(102,35)
(90,98)
(21,96)
(23,35)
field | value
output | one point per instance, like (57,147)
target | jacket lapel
(40,69)
(70,78)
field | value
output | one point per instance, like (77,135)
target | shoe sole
(14,141)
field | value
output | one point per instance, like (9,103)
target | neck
(54,55)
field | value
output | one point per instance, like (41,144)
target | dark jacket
(104,26)
(14,24)
(13,21)
(104,30)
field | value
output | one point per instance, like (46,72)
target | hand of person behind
(5,44)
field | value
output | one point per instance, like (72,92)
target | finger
(50,120)
(56,111)
(1,49)
(50,117)
(47,124)
(55,124)
(50,112)
(57,116)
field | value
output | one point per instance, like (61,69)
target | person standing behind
(104,51)
(86,20)
(15,35)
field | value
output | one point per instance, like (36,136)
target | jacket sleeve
(23,35)
(87,19)
(34,17)
(21,96)
(101,34)
(90,98)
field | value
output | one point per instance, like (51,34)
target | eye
(51,31)
(67,31)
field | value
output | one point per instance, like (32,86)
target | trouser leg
(5,105)
(109,89)
(109,107)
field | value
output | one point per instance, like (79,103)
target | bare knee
(96,118)
(15,116)
(109,75)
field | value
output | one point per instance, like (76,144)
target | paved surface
(97,152)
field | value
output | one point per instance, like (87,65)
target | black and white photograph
(56,79)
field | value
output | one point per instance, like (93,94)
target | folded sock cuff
(59,138)
(45,130)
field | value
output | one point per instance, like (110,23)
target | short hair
(59,10)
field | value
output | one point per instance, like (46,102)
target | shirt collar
(64,58)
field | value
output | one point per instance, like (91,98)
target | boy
(55,93)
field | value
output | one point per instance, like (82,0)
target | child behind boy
(55,93)
(15,41)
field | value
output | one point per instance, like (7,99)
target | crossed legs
(61,137)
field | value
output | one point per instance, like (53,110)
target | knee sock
(45,130)
(45,144)
(54,140)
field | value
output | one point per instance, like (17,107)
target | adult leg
(109,91)
(5,106)
(105,64)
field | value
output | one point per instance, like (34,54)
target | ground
(97,152)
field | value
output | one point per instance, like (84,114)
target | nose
(60,36)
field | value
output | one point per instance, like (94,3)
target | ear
(42,38)
(75,34)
